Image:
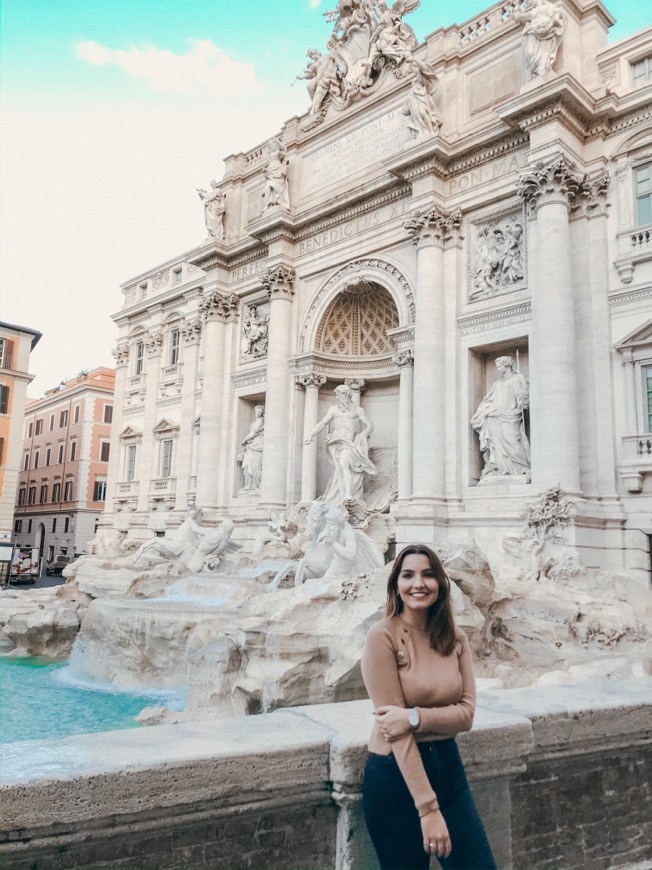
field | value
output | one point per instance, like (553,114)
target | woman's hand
(392,721)
(436,839)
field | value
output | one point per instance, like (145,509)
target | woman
(418,673)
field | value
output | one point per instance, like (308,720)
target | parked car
(56,565)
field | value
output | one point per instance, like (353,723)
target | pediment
(130,434)
(639,338)
(165,427)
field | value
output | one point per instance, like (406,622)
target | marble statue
(544,28)
(423,119)
(347,447)
(255,327)
(214,210)
(189,548)
(250,456)
(499,422)
(276,175)
(392,38)
(321,74)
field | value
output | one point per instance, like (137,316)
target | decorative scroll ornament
(121,354)
(434,225)
(311,380)
(279,281)
(216,306)
(404,358)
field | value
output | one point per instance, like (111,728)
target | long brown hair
(440,624)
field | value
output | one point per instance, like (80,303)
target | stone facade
(403,251)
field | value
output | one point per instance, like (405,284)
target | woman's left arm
(447,720)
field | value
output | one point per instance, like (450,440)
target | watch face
(413,718)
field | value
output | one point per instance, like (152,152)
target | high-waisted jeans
(393,821)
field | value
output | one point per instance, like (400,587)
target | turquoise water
(39,701)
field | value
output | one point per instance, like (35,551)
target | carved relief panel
(497,255)
(254,330)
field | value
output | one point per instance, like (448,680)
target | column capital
(154,343)
(279,281)
(191,331)
(404,358)
(591,197)
(311,380)
(434,226)
(555,180)
(120,354)
(217,306)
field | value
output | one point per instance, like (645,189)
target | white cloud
(204,67)
(315,3)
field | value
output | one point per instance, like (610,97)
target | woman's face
(417,584)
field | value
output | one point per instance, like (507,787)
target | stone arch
(355,279)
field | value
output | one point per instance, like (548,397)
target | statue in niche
(347,448)
(276,175)
(321,74)
(255,327)
(544,28)
(214,210)
(423,119)
(500,423)
(499,264)
(250,456)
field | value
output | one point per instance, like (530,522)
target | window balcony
(163,486)
(634,247)
(126,489)
(6,361)
(637,460)
(172,371)
(136,382)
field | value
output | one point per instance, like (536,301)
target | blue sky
(113,112)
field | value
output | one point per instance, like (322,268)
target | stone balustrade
(637,460)
(633,247)
(561,775)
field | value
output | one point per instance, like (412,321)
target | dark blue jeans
(393,821)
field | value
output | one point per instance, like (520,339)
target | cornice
(626,297)
(495,319)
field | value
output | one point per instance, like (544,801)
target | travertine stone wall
(561,775)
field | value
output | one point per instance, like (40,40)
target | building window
(2,450)
(56,492)
(643,176)
(166,458)
(21,495)
(30,429)
(37,457)
(67,491)
(647,396)
(99,490)
(73,450)
(76,414)
(48,455)
(31,495)
(18,526)
(51,422)
(6,353)
(60,452)
(29,526)
(54,524)
(105,449)
(39,427)
(176,277)
(4,399)
(43,497)
(175,337)
(108,413)
(130,469)
(63,419)
(139,358)
(26,462)
(66,524)
(642,71)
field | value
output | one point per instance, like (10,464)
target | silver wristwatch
(413,718)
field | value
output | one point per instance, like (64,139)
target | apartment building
(62,479)
(16,344)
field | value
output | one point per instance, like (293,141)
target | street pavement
(42,582)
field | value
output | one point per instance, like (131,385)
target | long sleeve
(380,674)
(451,719)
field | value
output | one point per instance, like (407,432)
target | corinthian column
(215,310)
(191,332)
(405,361)
(432,230)
(121,357)
(549,189)
(279,281)
(147,469)
(311,383)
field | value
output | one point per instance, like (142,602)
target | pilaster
(191,334)
(405,362)
(311,384)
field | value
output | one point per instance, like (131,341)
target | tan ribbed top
(400,667)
